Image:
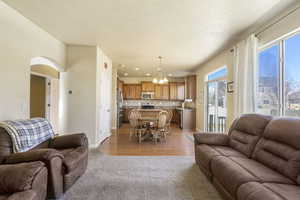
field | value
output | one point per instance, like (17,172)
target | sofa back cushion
(279,147)
(26,134)
(6,146)
(246,131)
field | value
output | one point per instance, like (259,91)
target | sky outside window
(292,58)
(218,74)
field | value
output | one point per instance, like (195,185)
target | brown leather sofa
(25,181)
(259,159)
(66,159)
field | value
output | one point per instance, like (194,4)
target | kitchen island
(150,112)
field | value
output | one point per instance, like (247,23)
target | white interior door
(105,99)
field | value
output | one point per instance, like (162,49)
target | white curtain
(245,75)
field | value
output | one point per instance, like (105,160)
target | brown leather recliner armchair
(23,181)
(66,159)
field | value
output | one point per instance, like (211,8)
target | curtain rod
(277,21)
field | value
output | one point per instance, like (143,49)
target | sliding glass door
(216,106)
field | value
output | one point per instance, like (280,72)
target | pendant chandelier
(160,78)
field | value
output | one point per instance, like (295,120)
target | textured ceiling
(135,32)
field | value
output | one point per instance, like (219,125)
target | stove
(147,106)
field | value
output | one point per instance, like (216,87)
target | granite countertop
(150,110)
(180,108)
(156,107)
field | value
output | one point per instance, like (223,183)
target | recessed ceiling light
(170,74)
(148,74)
(137,69)
(125,74)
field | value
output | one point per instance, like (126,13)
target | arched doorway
(44,90)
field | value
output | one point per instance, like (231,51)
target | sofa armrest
(53,160)
(44,155)
(69,141)
(19,177)
(28,195)
(211,139)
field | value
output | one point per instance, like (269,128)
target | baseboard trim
(94,146)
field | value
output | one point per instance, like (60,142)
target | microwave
(147,95)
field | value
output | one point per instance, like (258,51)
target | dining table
(148,122)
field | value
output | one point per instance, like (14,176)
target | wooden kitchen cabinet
(174,117)
(177,91)
(138,91)
(173,91)
(181,91)
(191,87)
(148,86)
(173,110)
(157,91)
(132,91)
(161,91)
(165,92)
(126,91)
(126,114)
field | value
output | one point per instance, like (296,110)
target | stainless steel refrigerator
(120,112)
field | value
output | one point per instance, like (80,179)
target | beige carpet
(142,178)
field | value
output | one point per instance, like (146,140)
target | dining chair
(169,121)
(136,127)
(160,130)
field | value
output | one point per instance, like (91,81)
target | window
(217,74)
(268,81)
(279,78)
(292,76)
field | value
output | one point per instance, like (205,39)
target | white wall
(285,26)
(20,41)
(78,112)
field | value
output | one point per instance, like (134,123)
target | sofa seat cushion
(74,157)
(19,177)
(268,191)
(262,172)
(233,172)
(205,154)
